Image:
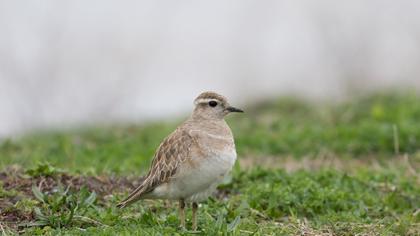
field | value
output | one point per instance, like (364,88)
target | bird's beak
(234,109)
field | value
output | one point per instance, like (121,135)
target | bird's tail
(133,197)
(123,204)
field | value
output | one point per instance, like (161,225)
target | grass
(314,169)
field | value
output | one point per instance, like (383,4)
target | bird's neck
(212,126)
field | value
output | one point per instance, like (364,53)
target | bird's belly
(200,179)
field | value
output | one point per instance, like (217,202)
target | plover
(192,161)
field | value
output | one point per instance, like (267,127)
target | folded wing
(172,152)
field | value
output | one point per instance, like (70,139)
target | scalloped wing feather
(171,153)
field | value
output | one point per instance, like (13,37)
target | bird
(193,160)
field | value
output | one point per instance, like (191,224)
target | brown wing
(174,150)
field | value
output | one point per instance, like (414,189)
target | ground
(303,169)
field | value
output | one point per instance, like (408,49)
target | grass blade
(90,200)
(38,194)
(232,226)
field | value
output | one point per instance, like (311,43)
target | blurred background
(76,62)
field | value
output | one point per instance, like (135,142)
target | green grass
(356,128)
(377,194)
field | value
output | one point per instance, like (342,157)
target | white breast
(196,184)
(210,174)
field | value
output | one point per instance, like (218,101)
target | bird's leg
(182,213)
(194,216)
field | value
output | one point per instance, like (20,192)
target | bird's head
(210,105)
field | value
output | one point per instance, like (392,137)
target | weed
(43,169)
(63,208)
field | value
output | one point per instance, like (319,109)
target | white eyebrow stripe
(205,100)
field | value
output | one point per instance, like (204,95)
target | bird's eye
(212,103)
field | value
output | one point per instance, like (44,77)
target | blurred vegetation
(361,127)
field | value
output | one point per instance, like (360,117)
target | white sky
(72,62)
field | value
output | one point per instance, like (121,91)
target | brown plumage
(174,150)
(212,95)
